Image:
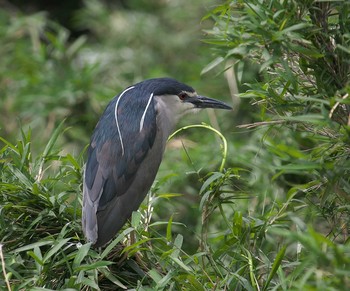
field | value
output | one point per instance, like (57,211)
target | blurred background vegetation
(275,218)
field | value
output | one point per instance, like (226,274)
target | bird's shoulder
(122,138)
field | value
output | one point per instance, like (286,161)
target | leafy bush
(299,51)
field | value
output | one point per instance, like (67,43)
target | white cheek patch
(195,109)
(189,108)
(186,106)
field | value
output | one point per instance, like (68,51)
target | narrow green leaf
(343,48)
(90,283)
(153,273)
(212,65)
(193,280)
(33,245)
(166,223)
(204,199)
(55,249)
(116,241)
(165,280)
(181,264)
(52,141)
(169,195)
(215,176)
(304,118)
(177,246)
(298,26)
(275,266)
(40,289)
(81,254)
(112,278)
(76,45)
(135,219)
(94,265)
(36,257)
(168,229)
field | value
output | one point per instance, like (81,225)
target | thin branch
(256,124)
(336,105)
(3,269)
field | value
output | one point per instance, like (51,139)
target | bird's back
(119,150)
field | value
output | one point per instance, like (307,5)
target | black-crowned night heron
(126,150)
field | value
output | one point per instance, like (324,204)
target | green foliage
(41,234)
(300,86)
(29,198)
(43,79)
(262,207)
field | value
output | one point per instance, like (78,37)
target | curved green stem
(203,125)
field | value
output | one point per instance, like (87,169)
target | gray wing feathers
(89,219)
(110,192)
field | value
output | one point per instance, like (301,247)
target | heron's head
(179,98)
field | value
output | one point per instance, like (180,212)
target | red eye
(182,96)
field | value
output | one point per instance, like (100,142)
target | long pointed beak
(206,102)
